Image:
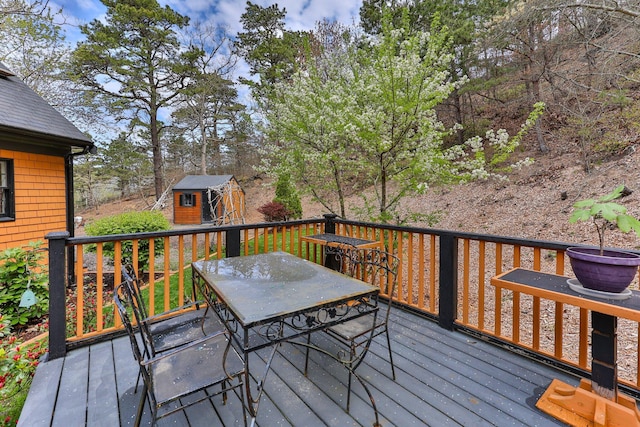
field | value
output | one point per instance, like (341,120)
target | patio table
(336,242)
(271,298)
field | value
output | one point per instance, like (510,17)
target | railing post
(233,243)
(57,294)
(330,225)
(448,307)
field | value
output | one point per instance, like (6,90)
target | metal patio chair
(379,268)
(171,328)
(183,371)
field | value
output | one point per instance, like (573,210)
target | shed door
(207,215)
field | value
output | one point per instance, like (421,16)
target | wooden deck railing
(443,274)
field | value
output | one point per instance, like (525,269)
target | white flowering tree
(365,118)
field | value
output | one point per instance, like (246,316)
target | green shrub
(287,195)
(127,223)
(21,270)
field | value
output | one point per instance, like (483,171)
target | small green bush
(287,195)
(127,223)
(21,269)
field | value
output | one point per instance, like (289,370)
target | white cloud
(304,15)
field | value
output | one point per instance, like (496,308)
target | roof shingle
(24,111)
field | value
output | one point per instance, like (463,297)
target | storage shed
(202,199)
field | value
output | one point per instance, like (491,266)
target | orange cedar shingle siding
(187,214)
(40,206)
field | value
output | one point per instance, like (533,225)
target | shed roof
(24,112)
(201,182)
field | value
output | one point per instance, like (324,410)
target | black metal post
(57,294)
(330,260)
(448,281)
(330,225)
(604,348)
(233,243)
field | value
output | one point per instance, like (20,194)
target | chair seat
(357,327)
(181,372)
(174,331)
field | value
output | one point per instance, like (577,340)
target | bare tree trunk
(203,150)
(158,172)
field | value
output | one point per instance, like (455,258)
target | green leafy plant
(128,223)
(18,362)
(21,272)
(287,195)
(606,214)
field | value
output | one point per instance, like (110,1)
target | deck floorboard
(443,378)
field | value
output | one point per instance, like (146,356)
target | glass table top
(264,287)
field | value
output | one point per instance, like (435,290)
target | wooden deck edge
(38,407)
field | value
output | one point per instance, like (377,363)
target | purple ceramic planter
(611,272)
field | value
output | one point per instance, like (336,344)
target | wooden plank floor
(443,379)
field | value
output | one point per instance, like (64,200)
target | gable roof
(201,182)
(24,112)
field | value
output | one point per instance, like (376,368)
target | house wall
(40,206)
(187,214)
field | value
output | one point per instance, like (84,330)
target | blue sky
(301,14)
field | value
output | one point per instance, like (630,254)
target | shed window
(187,199)
(7,208)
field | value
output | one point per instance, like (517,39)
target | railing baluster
(515,323)
(194,247)
(134,258)
(152,275)
(537,257)
(79,293)
(465,280)
(410,251)
(400,252)
(421,276)
(181,270)
(584,338)
(536,323)
(481,282)
(432,275)
(167,271)
(99,290)
(498,293)
(558,329)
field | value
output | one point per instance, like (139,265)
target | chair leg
(204,317)
(306,357)
(135,390)
(143,399)
(393,369)
(352,357)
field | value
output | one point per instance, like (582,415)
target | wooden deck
(443,379)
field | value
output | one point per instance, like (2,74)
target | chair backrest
(134,284)
(123,303)
(375,266)
(341,255)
